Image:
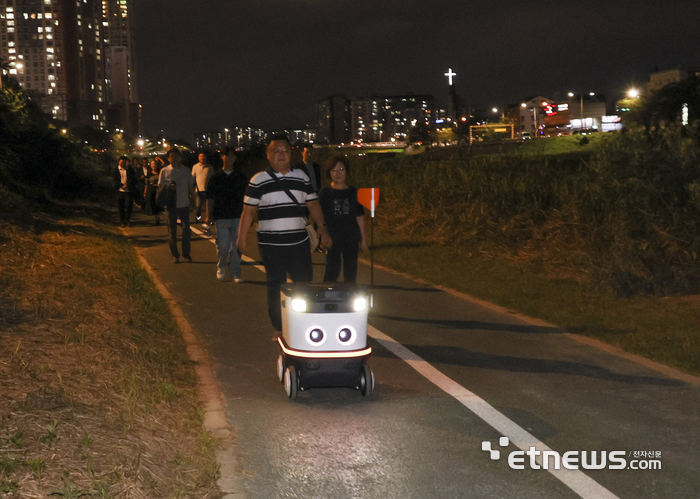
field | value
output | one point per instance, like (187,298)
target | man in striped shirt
(282,238)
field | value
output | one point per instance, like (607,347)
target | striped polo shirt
(280,220)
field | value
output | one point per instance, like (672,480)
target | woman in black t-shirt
(344,217)
(151,188)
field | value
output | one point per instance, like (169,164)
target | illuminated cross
(449,75)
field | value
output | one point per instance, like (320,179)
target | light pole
(534,116)
(571,94)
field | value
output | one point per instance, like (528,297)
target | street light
(534,115)
(571,94)
(633,93)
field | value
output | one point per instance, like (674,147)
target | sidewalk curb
(230,481)
(611,349)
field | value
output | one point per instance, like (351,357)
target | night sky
(208,64)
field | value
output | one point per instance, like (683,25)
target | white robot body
(324,337)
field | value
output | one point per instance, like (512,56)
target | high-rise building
(383,119)
(333,120)
(59,50)
(124,112)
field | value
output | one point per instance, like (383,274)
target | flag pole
(371,252)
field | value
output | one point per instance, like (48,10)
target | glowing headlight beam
(360,304)
(298,305)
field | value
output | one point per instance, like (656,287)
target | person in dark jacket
(151,207)
(225,191)
(312,170)
(125,186)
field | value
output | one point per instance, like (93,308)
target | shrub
(625,215)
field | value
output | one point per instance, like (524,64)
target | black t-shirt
(227,190)
(340,211)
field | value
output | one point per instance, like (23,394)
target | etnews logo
(574,459)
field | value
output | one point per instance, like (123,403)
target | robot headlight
(298,305)
(360,304)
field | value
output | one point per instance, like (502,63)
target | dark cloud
(214,63)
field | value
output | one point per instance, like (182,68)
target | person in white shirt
(181,176)
(201,173)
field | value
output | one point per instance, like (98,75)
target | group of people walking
(136,182)
(281,196)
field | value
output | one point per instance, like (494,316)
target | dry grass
(99,398)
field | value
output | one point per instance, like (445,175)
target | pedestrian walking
(225,192)
(124,185)
(282,238)
(202,172)
(181,177)
(344,217)
(307,165)
(151,207)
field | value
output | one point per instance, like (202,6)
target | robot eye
(346,335)
(316,336)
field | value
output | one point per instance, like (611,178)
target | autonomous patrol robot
(324,338)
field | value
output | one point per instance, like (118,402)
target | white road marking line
(576,480)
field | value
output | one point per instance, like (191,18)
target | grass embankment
(665,329)
(98,396)
(601,238)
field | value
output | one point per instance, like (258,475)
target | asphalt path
(452,378)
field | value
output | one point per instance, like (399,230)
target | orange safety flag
(369,198)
